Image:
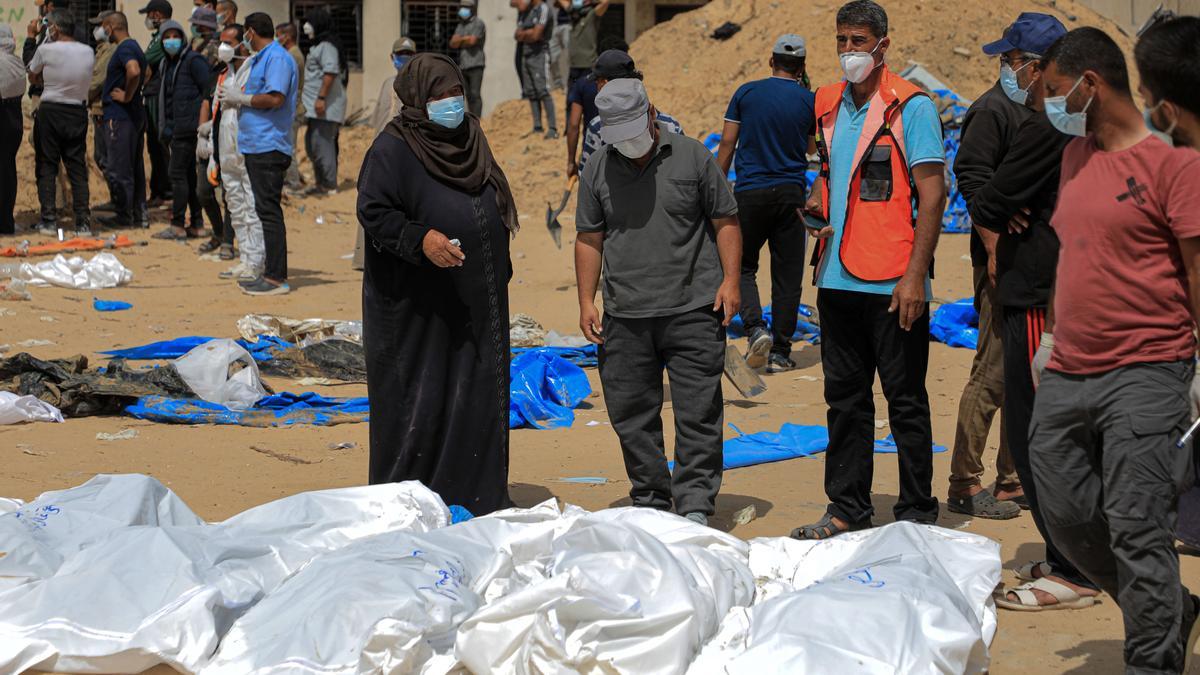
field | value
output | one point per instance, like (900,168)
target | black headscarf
(460,158)
(323,31)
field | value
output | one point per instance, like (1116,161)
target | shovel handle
(571,182)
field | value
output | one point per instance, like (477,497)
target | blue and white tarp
(279,410)
(262,350)
(584,357)
(790,442)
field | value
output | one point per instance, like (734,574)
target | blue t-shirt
(922,143)
(114,78)
(584,93)
(272,71)
(777,117)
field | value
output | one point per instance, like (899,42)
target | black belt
(11,100)
(81,104)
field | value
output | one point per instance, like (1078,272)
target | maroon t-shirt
(1121,290)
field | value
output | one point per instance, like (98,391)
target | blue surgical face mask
(1148,114)
(448,112)
(399,60)
(172,45)
(577,4)
(464,13)
(1072,124)
(1008,82)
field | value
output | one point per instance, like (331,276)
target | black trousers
(125,142)
(692,348)
(1021,333)
(474,78)
(321,144)
(160,154)
(768,216)
(185,201)
(60,131)
(267,171)
(11,131)
(859,337)
(100,150)
(207,193)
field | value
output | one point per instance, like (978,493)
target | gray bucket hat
(624,110)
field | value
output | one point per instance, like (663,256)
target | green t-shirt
(583,39)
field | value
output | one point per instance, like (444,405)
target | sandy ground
(220,471)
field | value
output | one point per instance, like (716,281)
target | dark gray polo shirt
(660,248)
(472,57)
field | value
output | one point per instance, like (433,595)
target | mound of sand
(692,76)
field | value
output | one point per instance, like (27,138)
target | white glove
(230,94)
(1196,395)
(1042,357)
(204,130)
(204,148)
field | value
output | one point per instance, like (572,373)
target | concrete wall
(1131,14)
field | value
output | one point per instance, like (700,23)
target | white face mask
(858,65)
(100,34)
(151,24)
(225,52)
(309,32)
(636,148)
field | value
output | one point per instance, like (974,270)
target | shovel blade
(554,226)
(748,383)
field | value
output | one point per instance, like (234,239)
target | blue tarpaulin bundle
(544,391)
(805,329)
(280,410)
(790,442)
(713,143)
(110,305)
(262,350)
(584,357)
(955,218)
(956,324)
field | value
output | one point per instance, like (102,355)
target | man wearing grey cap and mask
(670,249)
(769,126)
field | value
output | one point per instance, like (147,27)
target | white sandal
(1026,572)
(1027,601)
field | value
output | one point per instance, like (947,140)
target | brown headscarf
(460,158)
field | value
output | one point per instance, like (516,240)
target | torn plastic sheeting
(208,370)
(104,270)
(544,390)
(279,410)
(956,324)
(790,442)
(298,331)
(166,592)
(15,409)
(110,305)
(805,330)
(584,357)
(922,593)
(262,350)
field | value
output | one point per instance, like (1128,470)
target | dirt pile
(691,76)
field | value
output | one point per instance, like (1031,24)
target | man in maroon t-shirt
(1116,361)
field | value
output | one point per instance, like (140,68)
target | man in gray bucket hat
(656,213)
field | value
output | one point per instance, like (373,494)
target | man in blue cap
(1010,203)
(988,131)
(769,126)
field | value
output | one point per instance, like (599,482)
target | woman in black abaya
(438,215)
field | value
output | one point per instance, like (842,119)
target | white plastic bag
(104,270)
(206,370)
(15,409)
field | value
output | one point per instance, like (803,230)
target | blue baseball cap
(1032,32)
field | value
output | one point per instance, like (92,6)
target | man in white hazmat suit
(238,196)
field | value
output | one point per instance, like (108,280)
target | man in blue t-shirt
(769,129)
(265,111)
(124,124)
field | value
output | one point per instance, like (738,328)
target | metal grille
(430,23)
(347,24)
(612,24)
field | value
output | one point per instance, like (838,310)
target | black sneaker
(778,363)
(552,134)
(46,227)
(760,346)
(260,286)
(84,231)
(983,505)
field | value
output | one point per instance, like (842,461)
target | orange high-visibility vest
(878,232)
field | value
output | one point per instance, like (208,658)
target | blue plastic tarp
(262,350)
(805,329)
(955,218)
(790,442)
(584,357)
(713,143)
(110,305)
(956,324)
(544,391)
(279,410)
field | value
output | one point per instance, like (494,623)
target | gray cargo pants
(1108,477)
(692,348)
